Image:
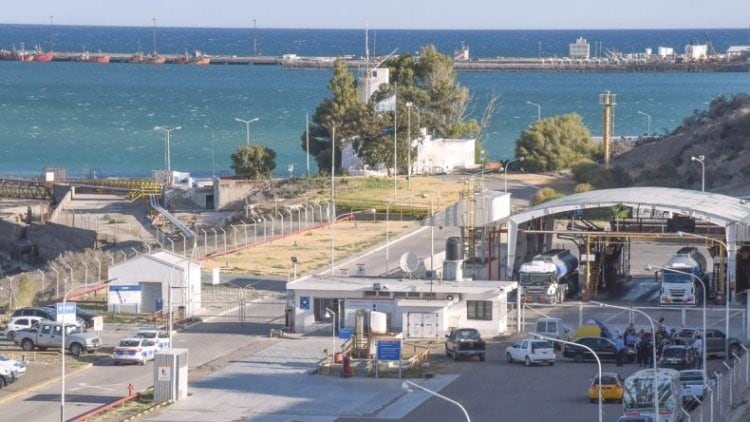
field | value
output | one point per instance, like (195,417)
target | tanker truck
(678,284)
(549,277)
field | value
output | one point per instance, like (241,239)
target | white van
(553,328)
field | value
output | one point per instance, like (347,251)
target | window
(479,309)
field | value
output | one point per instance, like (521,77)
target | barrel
(453,249)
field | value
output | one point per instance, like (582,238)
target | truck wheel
(578,358)
(76,349)
(27,345)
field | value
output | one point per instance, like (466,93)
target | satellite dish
(409,262)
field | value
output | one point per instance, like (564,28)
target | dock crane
(713,55)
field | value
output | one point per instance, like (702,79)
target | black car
(465,342)
(604,348)
(84,317)
(679,357)
(44,312)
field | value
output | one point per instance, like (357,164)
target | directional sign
(389,349)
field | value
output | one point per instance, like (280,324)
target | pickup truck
(715,340)
(465,342)
(49,334)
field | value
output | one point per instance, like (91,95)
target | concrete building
(436,156)
(581,49)
(665,52)
(696,51)
(142,284)
(370,81)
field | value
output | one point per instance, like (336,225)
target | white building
(696,51)
(665,52)
(581,49)
(142,283)
(737,51)
(370,81)
(435,156)
(419,308)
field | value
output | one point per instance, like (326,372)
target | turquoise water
(87,117)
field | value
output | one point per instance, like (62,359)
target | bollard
(131,390)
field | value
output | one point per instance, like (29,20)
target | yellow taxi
(611,387)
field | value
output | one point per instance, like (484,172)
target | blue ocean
(90,118)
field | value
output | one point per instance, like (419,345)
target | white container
(378,322)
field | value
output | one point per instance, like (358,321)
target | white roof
(354,284)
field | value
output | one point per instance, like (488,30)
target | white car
(133,349)
(158,338)
(20,323)
(693,384)
(531,351)
(16,366)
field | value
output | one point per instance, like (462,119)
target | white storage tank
(378,322)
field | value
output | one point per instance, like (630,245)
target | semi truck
(549,277)
(678,278)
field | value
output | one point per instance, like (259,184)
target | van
(552,328)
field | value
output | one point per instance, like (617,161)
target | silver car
(531,351)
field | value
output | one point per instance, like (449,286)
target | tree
(254,162)
(556,143)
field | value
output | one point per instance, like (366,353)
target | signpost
(66,313)
(388,349)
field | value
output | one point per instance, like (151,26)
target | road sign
(389,349)
(345,333)
(66,313)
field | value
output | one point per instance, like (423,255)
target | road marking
(107,387)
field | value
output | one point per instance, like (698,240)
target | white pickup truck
(49,334)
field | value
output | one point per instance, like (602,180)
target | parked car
(553,328)
(679,357)
(17,366)
(531,351)
(715,340)
(44,313)
(611,387)
(84,316)
(604,348)
(158,338)
(20,323)
(134,349)
(49,334)
(465,342)
(693,384)
(7,376)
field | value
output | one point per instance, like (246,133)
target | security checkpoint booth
(417,307)
(153,282)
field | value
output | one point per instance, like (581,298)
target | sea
(98,120)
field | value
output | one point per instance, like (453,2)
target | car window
(674,352)
(46,329)
(551,327)
(162,334)
(146,334)
(541,344)
(22,321)
(541,327)
(130,343)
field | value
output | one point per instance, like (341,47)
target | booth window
(479,309)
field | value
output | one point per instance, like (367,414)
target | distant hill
(721,134)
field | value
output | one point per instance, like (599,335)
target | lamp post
(705,292)
(653,349)
(505,172)
(538,110)
(726,287)
(71,272)
(406,387)
(294,267)
(701,159)
(167,155)
(62,359)
(57,281)
(648,121)
(247,127)
(408,145)
(598,364)
(387,234)
(42,274)
(333,316)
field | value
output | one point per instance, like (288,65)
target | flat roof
(353,284)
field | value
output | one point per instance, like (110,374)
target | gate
(422,325)
(235,304)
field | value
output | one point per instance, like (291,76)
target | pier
(500,64)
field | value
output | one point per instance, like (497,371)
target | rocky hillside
(721,134)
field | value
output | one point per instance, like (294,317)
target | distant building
(665,52)
(370,82)
(738,51)
(581,49)
(696,51)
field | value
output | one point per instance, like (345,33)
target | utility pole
(255,38)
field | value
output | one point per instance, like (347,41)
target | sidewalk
(277,383)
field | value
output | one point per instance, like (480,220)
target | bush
(544,195)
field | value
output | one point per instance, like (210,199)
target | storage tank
(378,322)
(453,249)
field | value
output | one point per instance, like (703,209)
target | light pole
(701,159)
(705,293)
(481,163)
(648,121)
(62,359)
(538,110)
(598,364)
(505,172)
(167,155)
(42,274)
(406,387)
(333,316)
(726,287)
(653,349)
(408,142)
(247,127)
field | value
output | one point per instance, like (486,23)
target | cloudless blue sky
(387,14)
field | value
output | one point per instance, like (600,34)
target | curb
(35,387)
(149,410)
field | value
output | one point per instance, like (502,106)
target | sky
(386,14)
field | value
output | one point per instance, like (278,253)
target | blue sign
(304,302)
(345,333)
(389,349)
(125,288)
(69,309)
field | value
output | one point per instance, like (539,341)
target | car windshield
(686,332)
(692,378)
(606,380)
(72,329)
(130,343)
(674,352)
(147,334)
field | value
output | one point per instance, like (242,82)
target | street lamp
(408,141)
(726,286)
(648,121)
(330,314)
(167,155)
(538,110)
(590,350)
(406,387)
(247,127)
(653,349)
(62,359)
(701,159)
(505,172)
(705,292)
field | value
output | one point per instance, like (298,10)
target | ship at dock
(197,58)
(42,56)
(18,55)
(152,58)
(87,57)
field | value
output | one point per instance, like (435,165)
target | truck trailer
(549,277)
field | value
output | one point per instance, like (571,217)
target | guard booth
(170,375)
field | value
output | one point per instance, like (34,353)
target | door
(422,325)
